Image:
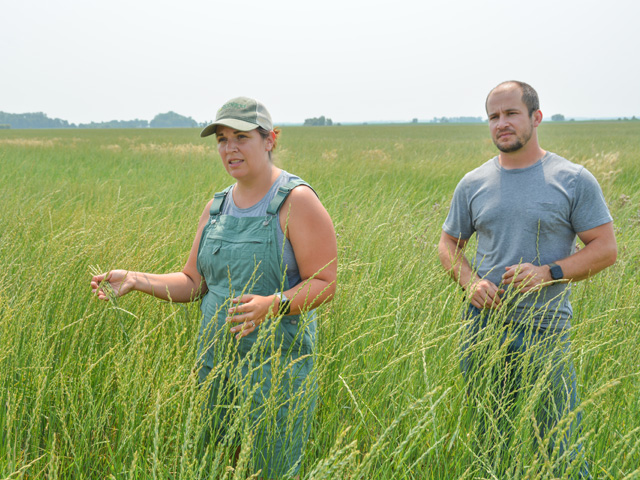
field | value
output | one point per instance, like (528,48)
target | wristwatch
(556,271)
(285,304)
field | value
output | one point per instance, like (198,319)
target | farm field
(108,390)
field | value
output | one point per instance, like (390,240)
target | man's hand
(526,277)
(484,294)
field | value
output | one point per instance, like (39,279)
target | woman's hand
(249,312)
(114,283)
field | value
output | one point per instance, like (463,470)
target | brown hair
(264,133)
(529,95)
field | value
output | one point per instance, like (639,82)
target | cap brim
(228,122)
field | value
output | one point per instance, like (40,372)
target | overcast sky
(350,60)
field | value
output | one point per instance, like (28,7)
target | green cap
(241,113)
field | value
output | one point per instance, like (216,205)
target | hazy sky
(350,60)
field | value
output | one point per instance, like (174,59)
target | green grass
(88,390)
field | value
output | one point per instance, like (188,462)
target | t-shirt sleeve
(458,223)
(589,209)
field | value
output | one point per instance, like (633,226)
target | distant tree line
(32,120)
(317,122)
(457,120)
(172,120)
(41,120)
(558,117)
(117,124)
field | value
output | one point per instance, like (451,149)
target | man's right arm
(481,292)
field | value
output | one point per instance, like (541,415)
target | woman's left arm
(309,228)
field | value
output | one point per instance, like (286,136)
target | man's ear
(537,118)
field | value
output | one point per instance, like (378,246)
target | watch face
(556,272)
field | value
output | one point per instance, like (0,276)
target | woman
(264,256)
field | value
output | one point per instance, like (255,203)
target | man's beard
(517,144)
(513,147)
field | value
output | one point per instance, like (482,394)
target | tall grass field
(101,390)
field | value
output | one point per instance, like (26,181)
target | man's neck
(523,158)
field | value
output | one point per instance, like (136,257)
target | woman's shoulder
(207,209)
(302,199)
(286,177)
(298,184)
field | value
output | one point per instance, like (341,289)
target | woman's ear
(271,139)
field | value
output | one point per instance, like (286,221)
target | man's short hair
(529,95)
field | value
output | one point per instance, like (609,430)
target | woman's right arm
(181,287)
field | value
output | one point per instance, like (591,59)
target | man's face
(510,124)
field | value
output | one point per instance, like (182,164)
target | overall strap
(283,193)
(218,200)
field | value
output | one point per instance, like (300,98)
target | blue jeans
(507,366)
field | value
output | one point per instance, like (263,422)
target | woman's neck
(248,192)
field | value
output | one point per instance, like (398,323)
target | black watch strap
(284,308)
(556,271)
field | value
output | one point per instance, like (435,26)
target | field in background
(92,390)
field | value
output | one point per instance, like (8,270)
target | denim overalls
(263,385)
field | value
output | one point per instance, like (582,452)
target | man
(526,207)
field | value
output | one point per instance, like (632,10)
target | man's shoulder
(481,173)
(560,164)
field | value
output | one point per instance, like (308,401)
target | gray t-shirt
(527,215)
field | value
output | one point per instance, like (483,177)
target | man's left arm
(599,252)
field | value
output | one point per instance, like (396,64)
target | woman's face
(243,153)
